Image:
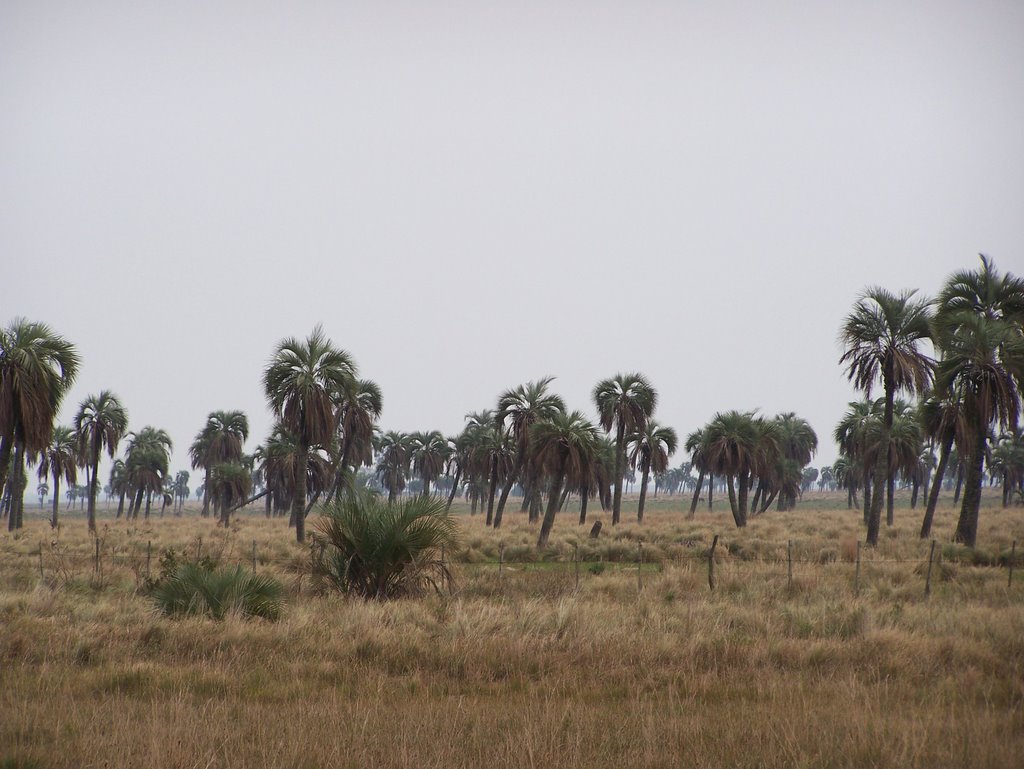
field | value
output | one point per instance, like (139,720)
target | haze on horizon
(469,196)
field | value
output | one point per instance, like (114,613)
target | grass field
(522,668)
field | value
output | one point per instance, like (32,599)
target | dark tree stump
(595,530)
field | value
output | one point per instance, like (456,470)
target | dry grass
(525,670)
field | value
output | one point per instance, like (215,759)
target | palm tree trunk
(120,503)
(768,502)
(15,483)
(959,482)
(620,469)
(890,489)
(206,493)
(696,494)
(744,492)
(732,501)
(643,494)
(149,501)
(757,496)
(5,462)
(549,516)
(584,493)
(967,526)
(711,488)
(492,490)
(535,503)
(915,488)
(867,494)
(299,500)
(882,468)
(94,483)
(56,500)
(455,489)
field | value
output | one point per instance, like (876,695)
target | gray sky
(471,195)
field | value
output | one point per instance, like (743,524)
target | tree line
(326,441)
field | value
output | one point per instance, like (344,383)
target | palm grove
(961,355)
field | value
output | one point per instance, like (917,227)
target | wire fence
(54,562)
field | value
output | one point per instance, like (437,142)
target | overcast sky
(472,195)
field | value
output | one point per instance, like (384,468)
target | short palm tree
(59,459)
(147,464)
(883,337)
(650,451)
(698,460)
(625,402)
(360,408)
(735,442)
(37,368)
(564,450)
(100,424)
(304,382)
(394,451)
(230,484)
(429,453)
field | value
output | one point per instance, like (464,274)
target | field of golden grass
(635,667)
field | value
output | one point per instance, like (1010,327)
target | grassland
(523,668)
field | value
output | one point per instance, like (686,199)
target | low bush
(195,589)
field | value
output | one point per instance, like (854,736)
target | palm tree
(231,483)
(282,466)
(735,443)
(304,382)
(1007,462)
(147,461)
(698,459)
(797,443)
(983,359)
(100,424)
(625,402)
(220,441)
(518,410)
(942,420)
(650,450)
(37,368)
(360,408)
(429,454)
(59,458)
(564,449)
(882,339)
(394,451)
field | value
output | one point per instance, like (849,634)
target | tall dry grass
(523,669)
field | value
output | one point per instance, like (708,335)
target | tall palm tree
(650,450)
(59,459)
(983,359)
(219,441)
(37,368)
(625,402)
(303,383)
(518,410)
(100,424)
(564,449)
(883,338)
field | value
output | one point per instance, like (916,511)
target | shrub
(368,547)
(194,589)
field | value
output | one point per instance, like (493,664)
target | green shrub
(194,589)
(368,547)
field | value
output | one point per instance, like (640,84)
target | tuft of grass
(193,589)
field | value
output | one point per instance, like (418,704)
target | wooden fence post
(928,576)
(856,574)
(711,563)
(199,548)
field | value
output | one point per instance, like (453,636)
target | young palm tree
(59,458)
(37,368)
(147,461)
(625,402)
(564,449)
(303,383)
(983,359)
(359,410)
(100,424)
(797,445)
(518,410)
(735,443)
(883,338)
(650,450)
